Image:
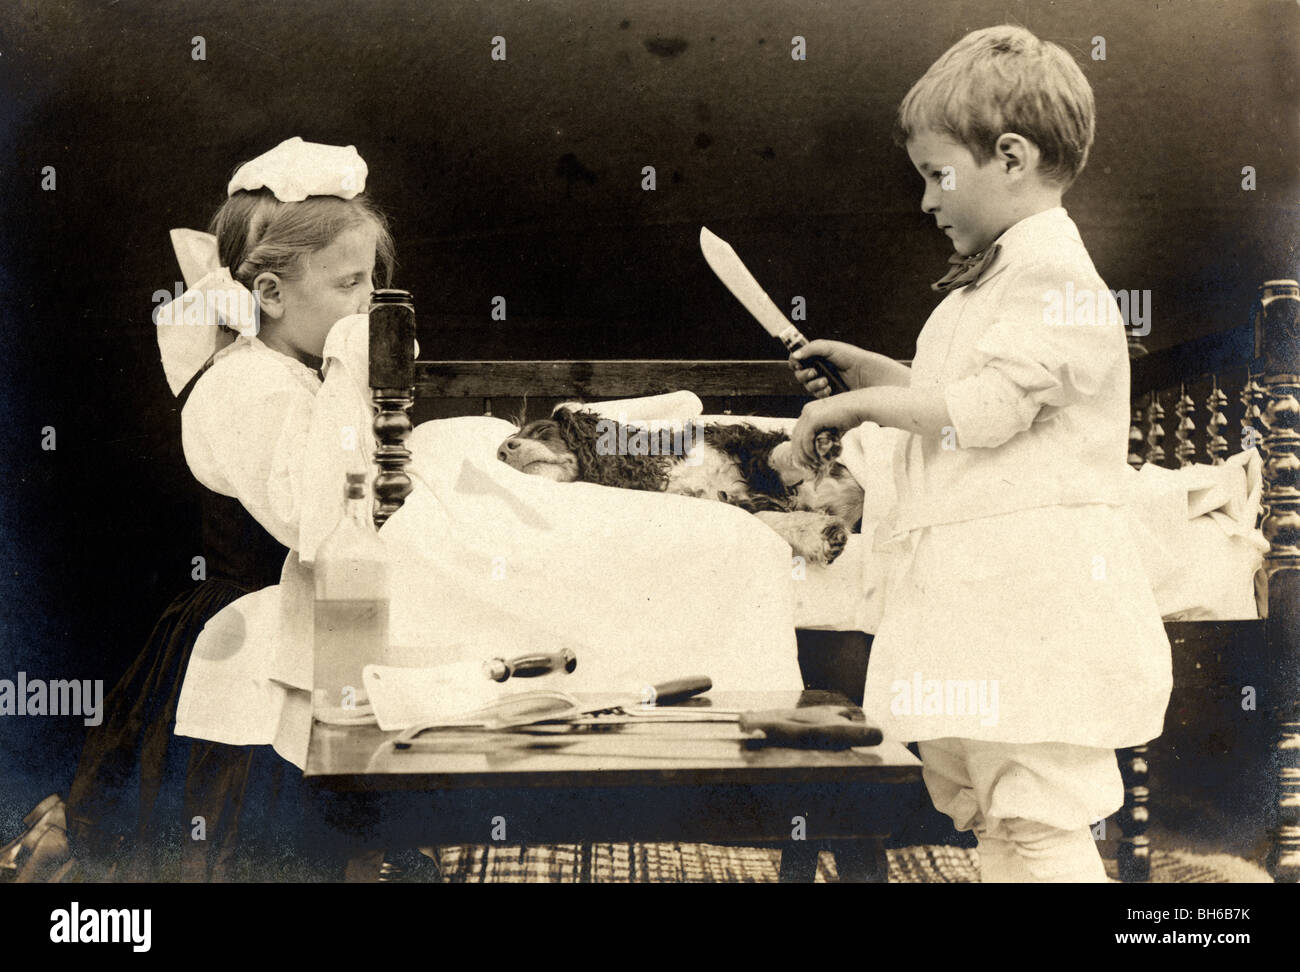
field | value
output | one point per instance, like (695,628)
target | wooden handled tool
(531,666)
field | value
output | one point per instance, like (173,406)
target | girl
(297,247)
(1020,642)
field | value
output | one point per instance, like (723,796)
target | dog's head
(540,449)
(577,445)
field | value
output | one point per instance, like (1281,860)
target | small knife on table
(530,708)
(804,727)
(732,272)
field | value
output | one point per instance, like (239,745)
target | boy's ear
(267,288)
(1017,155)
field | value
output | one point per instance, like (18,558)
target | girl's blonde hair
(1004,79)
(256,233)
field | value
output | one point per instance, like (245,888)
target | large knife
(722,258)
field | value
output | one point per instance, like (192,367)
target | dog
(739,464)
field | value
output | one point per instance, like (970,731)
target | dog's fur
(739,464)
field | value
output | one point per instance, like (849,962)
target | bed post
(392,387)
(1277,341)
(1134,854)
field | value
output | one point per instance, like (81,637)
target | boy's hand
(841,412)
(859,368)
(845,357)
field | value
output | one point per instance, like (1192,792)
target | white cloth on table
(645,587)
(1019,575)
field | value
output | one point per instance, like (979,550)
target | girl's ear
(269,294)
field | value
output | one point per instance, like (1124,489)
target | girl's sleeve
(1029,364)
(245,435)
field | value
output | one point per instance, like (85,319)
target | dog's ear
(580,431)
(599,461)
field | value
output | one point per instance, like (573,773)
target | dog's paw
(816,537)
(834,539)
(827,446)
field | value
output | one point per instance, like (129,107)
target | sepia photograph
(646,442)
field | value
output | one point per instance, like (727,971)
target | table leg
(799,861)
(860,861)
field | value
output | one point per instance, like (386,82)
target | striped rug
(708,863)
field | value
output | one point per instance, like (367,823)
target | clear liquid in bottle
(351,609)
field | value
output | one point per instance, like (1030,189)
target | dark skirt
(148,805)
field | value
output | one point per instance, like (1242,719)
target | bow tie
(966,270)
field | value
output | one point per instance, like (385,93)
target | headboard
(1258,362)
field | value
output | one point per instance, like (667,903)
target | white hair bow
(189,330)
(189,327)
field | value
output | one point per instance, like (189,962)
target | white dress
(1019,610)
(245,431)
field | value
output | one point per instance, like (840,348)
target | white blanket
(645,587)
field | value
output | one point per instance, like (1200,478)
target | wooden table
(633,783)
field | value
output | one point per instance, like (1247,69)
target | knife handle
(531,666)
(829,372)
(793,340)
(676,690)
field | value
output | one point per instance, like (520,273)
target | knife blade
(529,708)
(665,693)
(737,278)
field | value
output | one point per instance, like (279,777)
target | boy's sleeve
(1029,362)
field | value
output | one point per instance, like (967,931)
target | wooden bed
(1257,363)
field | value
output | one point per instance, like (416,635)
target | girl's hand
(840,412)
(859,368)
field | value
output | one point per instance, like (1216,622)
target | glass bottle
(351,608)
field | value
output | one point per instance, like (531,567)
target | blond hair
(1004,79)
(256,233)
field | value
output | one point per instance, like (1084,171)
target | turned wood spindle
(392,382)
(1252,397)
(1155,453)
(1134,852)
(1216,445)
(1136,440)
(1277,335)
(1185,430)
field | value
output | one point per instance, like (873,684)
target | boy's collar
(1027,236)
(1026,232)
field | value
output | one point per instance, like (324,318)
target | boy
(1017,582)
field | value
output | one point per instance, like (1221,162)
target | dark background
(522,178)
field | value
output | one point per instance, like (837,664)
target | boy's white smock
(1020,610)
